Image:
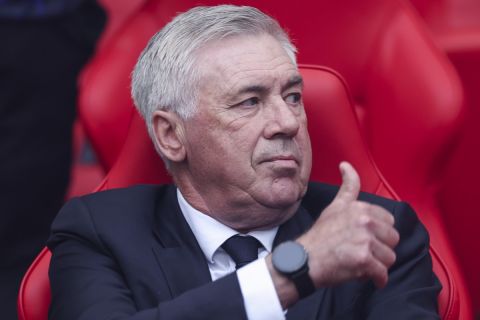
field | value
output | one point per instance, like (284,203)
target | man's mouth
(282,159)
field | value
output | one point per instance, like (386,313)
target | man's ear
(169,135)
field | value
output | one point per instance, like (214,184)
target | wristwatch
(290,259)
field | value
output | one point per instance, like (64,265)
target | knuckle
(366,241)
(363,238)
(365,220)
(391,260)
(391,218)
(386,216)
(395,237)
(383,275)
(363,257)
(363,206)
(360,273)
(392,237)
(380,276)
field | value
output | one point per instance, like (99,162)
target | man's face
(248,149)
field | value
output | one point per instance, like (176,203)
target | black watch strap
(291,259)
(303,283)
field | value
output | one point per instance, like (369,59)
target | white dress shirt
(259,295)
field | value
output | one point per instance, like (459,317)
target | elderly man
(241,234)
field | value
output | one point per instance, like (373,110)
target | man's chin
(285,192)
(268,217)
(283,199)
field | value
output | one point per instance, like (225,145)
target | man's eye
(249,102)
(293,98)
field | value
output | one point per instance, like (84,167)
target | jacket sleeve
(412,289)
(87,283)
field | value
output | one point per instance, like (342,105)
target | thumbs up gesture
(351,239)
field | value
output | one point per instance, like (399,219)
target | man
(222,98)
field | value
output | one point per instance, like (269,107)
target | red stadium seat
(455,26)
(104,100)
(454,23)
(335,136)
(118,12)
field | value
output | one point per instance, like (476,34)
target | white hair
(165,76)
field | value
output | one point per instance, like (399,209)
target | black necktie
(242,250)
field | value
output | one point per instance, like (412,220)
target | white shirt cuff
(259,295)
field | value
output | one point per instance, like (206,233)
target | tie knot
(242,249)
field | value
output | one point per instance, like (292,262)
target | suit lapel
(177,252)
(183,264)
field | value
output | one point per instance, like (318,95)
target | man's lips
(281,158)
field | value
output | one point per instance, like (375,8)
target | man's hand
(351,239)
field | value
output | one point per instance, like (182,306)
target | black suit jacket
(130,254)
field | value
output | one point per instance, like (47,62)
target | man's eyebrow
(253,88)
(292,82)
(256,88)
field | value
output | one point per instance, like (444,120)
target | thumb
(350,183)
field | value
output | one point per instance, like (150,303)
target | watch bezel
(282,251)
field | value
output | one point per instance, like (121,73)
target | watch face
(289,257)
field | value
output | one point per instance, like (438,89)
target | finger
(378,273)
(374,270)
(374,211)
(383,254)
(376,221)
(350,183)
(385,233)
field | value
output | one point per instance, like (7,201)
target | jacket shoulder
(108,213)
(143,195)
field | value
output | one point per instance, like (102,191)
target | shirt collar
(211,234)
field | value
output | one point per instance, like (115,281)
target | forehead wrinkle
(271,63)
(265,65)
(239,83)
(249,67)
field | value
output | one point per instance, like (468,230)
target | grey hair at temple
(165,76)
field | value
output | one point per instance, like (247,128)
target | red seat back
(455,25)
(104,97)
(335,135)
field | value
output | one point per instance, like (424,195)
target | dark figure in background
(44,45)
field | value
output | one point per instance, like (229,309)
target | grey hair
(165,76)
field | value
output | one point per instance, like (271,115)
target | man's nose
(283,120)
